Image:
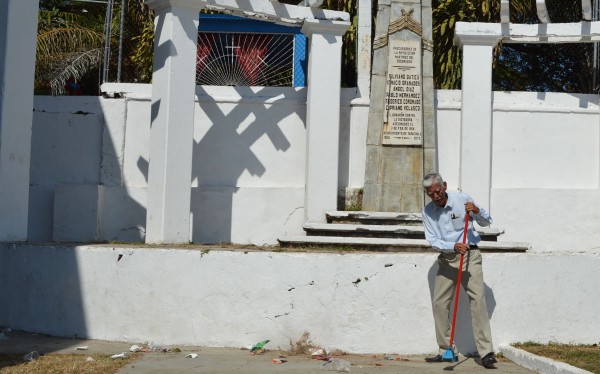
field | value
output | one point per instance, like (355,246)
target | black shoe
(437,358)
(489,360)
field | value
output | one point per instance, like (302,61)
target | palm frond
(59,40)
(55,18)
(73,65)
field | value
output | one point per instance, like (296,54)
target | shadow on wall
(79,195)
(224,135)
(223,154)
(83,155)
(463,335)
(76,173)
(29,304)
(90,166)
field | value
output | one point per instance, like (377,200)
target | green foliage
(71,42)
(546,67)
(67,47)
(447,57)
(349,47)
(143,40)
(143,50)
(517,67)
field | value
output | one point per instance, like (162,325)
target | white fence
(90,160)
(545,166)
(88,177)
(357,302)
(90,164)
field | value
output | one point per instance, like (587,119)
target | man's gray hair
(432,178)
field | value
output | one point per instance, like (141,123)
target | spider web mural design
(245,59)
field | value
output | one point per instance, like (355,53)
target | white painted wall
(248,169)
(545,166)
(247,174)
(545,169)
(236,298)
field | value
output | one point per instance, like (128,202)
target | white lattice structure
(477,41)
(173,108)
(168,214)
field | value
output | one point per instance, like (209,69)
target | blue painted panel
(229,23)
(299,60)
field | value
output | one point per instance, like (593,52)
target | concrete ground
(232,360)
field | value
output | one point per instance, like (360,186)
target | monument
(401,130)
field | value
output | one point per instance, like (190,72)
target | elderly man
(444,221)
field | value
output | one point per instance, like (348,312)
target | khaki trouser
(472,282)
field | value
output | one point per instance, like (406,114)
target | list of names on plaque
(402,121)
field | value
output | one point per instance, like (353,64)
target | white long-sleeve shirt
(444,225)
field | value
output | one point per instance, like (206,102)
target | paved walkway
(231,360)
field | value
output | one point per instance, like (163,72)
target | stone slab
(399,229)
(391,245)
(376,215)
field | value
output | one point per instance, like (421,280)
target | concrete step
(376,218)
(389,244)
(383,231)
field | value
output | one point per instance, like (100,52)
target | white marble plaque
(402,121)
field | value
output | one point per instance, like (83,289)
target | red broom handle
(462,257)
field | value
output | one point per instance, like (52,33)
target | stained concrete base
(356,301)
(232,360)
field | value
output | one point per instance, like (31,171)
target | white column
(322,116)
(476,115)
(18,30)
(172,121)
(363,50)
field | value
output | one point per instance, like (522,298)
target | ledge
(537,363)
(392,245)
(390,229)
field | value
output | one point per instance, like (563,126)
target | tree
(71,40)
(447,57)
(68,45)
(349,47)
(528,67)
(546,67)
(143,49)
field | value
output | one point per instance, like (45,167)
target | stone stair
(385,232)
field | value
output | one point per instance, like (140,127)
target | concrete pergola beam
(172,120)
(542,11)
(275,11)
(477,42)
(17,64)
(315,3)
(576,32)
(476,33)
(586,10)
(322,117)
(504,11)
(173,84)
(544,17)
